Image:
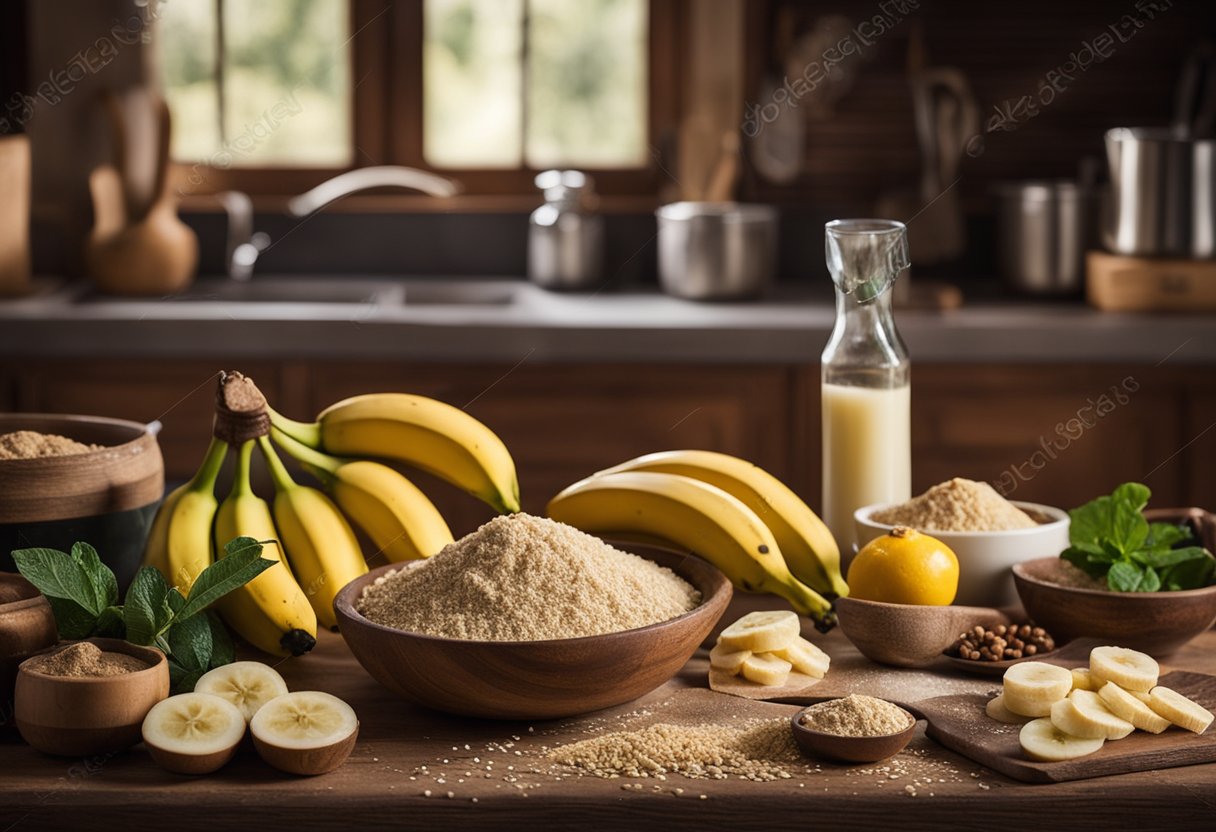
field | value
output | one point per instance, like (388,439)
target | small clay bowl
(908,635)
(851,749)
(27,626)
(83,716)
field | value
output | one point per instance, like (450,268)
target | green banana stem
(278,471)
(306,433)
(241,484)
(811,603)
(314,459)
(204,479)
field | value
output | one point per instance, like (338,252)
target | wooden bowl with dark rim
(535,679)
(105,497)
(852,749)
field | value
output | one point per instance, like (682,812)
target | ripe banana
(179,543)
(807,545)
(399,518)
(321,548)
(271,612)
(694,516)
(426,433)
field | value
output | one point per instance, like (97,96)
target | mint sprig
(1112,540)
(83,594)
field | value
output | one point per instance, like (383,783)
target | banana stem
(814,604)
(241,484)
(302,453)
(278,471)
(204,479)
(306,433)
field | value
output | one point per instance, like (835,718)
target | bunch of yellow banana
(725,509)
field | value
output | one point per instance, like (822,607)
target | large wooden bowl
(105,497)
(536,679)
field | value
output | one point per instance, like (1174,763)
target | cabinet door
(1197,454)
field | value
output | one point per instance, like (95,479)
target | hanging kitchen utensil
(14,215)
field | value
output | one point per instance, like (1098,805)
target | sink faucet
(361,179)
(243,244)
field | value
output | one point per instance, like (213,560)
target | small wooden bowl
(851,749)
(908,635)
(1157,623)
(81,716)
(105,497)
(535,679)
(27,626)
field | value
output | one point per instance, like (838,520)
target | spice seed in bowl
(1002,642)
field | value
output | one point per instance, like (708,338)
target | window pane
(186,48)
(587,79)
(472,77)
(287,82)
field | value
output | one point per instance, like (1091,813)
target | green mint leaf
(222,650)
(1125,577)
(101,577)
(1166,535)
(241,563)
(1128,529)
(146,601)
(1091,563)
(1190,574)
(181,679)
(1151,582)
(57,575)
(1089,523)
(110,623)
(71,620)
(190,643)
(1171,557)
(1132,494)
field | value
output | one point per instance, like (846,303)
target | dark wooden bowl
(105,497)
(537,679)
(1157,623)
(851,749)
(73,716)
(27,626)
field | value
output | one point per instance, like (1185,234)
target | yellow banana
(695,516)
(399,518)
(321,547)
(271,612)
(426,433)
(179,543)
(807,545)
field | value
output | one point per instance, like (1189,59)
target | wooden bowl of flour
(535,679)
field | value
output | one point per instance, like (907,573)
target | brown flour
(957,505)
(856,716)
(86,659)
(29,444)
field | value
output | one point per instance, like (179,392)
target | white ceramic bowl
(985,558)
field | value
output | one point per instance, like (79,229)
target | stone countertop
(504,320)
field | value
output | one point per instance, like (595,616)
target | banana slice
(766,669)
(1183,712)
(762,632)
(805,658)
(1129,669)
(728,661)
(1031,688)
(1041,740)
(193,733)
(997,710)
(248,685)
(306,732)
(1082,679)
(1083,715)
(1143,695)
(1125,706)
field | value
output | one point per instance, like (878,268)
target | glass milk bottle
(865,381)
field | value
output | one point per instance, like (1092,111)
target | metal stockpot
(1043,231)
(716,250)
(1163,187)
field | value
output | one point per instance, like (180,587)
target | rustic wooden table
(415,768)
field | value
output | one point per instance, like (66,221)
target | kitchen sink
(325,291)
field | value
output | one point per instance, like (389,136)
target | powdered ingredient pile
(29,444)
(856,716)
(957,505)
(86,659)
(525,578)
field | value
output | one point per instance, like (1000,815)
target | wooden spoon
(908,635)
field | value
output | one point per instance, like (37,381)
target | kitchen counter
(384,784)
(433,320)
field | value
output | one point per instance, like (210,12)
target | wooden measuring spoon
(908,635)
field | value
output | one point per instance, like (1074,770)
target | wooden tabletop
(491,775)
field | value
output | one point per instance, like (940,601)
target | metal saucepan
(1044,228)
(716,250)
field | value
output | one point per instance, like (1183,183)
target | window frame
(387,112)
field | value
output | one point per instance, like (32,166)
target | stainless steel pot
(1163,187)
(716,250)
(1043,231)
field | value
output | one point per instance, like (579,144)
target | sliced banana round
(1082,679)
(728,661)
(1129,669)
(805,657)
(1041,740)
(997,710)
(1083,715)
(766,669)
(305,732)
(193,733)
(1183,712)
(1031,688)
(1128,707)
(248,685)
(762,632)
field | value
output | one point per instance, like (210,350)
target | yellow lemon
(905,567)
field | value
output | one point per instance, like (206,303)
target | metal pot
(716,250)
(1163,187)
(1043,231)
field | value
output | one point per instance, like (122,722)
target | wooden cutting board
(959,723)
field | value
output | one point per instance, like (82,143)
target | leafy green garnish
(83,594)
(1111,539)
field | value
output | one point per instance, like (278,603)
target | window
(272,96)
